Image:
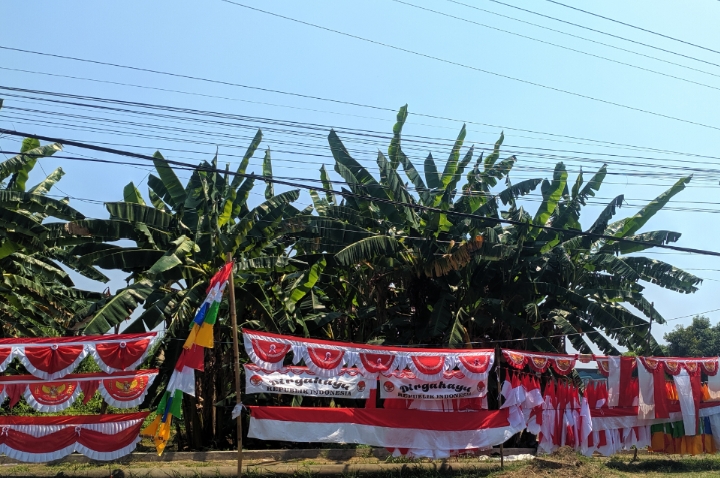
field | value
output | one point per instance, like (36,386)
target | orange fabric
(694,445)
(705,392)
(708,444)
(657,442)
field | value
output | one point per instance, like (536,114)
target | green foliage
(699,339)
(37,297)
(375,265)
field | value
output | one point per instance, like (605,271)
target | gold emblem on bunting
(673,366)
(516,359)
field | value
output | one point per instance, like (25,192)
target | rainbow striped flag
(191,359)
(201,332)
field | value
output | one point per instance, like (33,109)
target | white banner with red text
(453,384)
(349,383)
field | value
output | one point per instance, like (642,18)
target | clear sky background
(215,40)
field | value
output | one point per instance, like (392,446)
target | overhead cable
(590,40)
(634,26)
(575,50)
(345,193)
(606,33)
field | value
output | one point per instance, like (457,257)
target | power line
(470,193)
(474,68)
(681,171)
(633,26)
(600,143)
(596,42)
(359,196)
(407,138)
(145,126)
(637,67)
(359,133)
(605,33)
(423,55)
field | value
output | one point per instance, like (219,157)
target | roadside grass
(562,464)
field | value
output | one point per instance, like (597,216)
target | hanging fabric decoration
(620,370)
(563,419)
(201,332)
(540,362)
(453,385)
(191,359)
(181,380)
(393,428)
(713,384)
(51,358)
(349,383)
(521,389)
(688,391)
(119,389)
(326,358)
(33,439)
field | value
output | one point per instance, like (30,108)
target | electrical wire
(606,33)
(596,42)
(364,133)
(633,26)
(474,68)
(563,47)
(360,196)
(599,143)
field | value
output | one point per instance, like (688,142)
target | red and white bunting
(99,437)
(540,362)
(349,383)
(120,389)
(51,358)
(326,358)
(453,384)
(392,428)
(673,365)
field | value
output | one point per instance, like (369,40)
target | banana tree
(403,274)
(181,235)
(38,295)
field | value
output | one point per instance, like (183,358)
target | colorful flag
(181,381)
(202,326)
(192,358)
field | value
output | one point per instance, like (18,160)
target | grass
(563,464)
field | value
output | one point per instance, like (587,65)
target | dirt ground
(564,463)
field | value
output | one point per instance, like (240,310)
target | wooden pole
(649,334)
(498,356)
(236,357)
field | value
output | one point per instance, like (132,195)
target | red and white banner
(349,383)
(50,358)
(672,365)
(540,362)
(41,439)
(391,428)
(326,358)
(119,389)
(453,384)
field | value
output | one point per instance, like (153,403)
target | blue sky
(225,42)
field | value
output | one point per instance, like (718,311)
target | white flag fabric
(301,381)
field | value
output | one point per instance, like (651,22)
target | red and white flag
(391,428)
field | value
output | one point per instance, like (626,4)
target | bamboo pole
(498,356)
(236,357)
